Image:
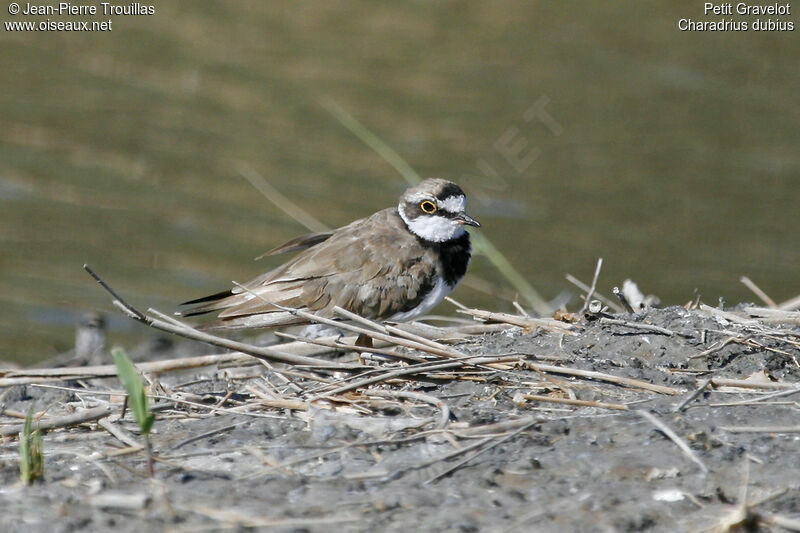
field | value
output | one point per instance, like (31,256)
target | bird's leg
(364,341)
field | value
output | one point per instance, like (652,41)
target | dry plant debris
(579,418)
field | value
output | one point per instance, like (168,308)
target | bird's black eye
(428,207)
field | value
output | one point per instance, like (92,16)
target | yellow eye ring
(428,207)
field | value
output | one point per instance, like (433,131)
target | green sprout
(31,451)
(137,399)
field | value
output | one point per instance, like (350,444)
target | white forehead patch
(454,204)
(420,196)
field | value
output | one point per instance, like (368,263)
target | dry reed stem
(580,403)
(338,345)
(245,519)
(389,330)
(759,399)
(120,434)
(73,419)
(758,292)
(745,384)
(479,452)
(427,398)
(774,315)
(674,438)
(527,323)
(585,288)
(591,290)
(442,351)
(727,315)
(179,328)
(761,429)
(412,370)
(693,395)
(370,333)
(644,327)
(591,374)
(719,346)
(791,304)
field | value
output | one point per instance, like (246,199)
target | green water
(579,130)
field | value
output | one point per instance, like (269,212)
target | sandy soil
(500,462)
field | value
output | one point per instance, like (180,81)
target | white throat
(432,228)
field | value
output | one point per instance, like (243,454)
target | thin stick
(570,401)
(121,435)
(479,452)
(745,384)
(761,429)
(773,315)
(339,345)
(211,433)
(9,382)
(496,427)
(693,395)
(191,333)
(449,352)
(591,290)
(520,309)
(455,302)
(131,310)
(674,438)
(259,352)
(408,371)
(789,524)
(100,371)
(760,399)
(645,327)
(732,317)
(242,518)
(718,347)
(436,402)
(396,331)
(630,382)
(758,292)
(72,419)
(791,304)
(42,375)
(443,457)
(585,288)
(515,320)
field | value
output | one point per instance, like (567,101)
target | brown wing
(373,267)
(299,243)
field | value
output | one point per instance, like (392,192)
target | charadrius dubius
(395,265)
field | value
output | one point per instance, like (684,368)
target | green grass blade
(137,400)
(373,141)
(31,452)
(483,245)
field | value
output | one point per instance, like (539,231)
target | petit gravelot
(394,265)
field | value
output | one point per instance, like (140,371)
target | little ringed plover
(396,265)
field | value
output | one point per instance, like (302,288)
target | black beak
(467,220)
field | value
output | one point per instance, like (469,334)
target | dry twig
(674,438)
(73,419)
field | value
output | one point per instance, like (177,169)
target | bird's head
(435,210)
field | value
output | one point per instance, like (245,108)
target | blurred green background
(579,130)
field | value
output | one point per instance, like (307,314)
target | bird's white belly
(433,298)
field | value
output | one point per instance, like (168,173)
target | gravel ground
(504,462)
